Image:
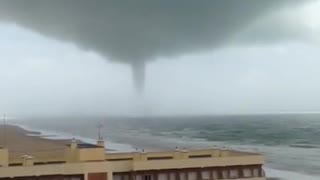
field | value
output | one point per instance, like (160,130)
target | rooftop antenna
(100,126)
(4,131)
(100,141)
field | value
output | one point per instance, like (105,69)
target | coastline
(20,141)
(44,140)
(67,137)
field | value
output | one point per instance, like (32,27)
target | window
(247,172)
(256,172)
(139,177)
(234,173)
(192,176)
(215,174)
(125,177)
(205,174)
(172,176)
(183,176)
(146,177)
(225,174)
(116,177)
(163,176)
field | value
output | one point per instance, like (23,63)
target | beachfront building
(91,162)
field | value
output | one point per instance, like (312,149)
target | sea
(289,142)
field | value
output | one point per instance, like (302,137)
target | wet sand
(20,142)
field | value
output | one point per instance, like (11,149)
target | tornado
(141,31)
(138,75)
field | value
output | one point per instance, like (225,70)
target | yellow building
(90,162)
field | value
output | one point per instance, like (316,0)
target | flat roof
(87,145)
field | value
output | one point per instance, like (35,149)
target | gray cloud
(137,31)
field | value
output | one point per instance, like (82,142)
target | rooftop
(87,145)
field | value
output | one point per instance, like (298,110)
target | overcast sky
(43,76)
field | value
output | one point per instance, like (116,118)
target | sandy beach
(20,142)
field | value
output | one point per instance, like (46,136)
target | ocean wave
(54,135)
(308,146)
(271,173)
(287,175)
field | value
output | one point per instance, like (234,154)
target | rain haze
(159,57)
(232,82)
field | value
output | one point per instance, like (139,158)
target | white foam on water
(54,135)
(120,147)
(288,175)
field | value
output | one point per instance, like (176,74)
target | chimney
(28,160)
(74,144)
(100,142)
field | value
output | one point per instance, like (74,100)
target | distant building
(91,162)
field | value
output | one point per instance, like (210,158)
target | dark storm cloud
(136,31)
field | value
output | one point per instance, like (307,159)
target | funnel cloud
(135,32)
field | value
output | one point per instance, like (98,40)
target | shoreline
(20,141)
(54,136)
(59,140)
